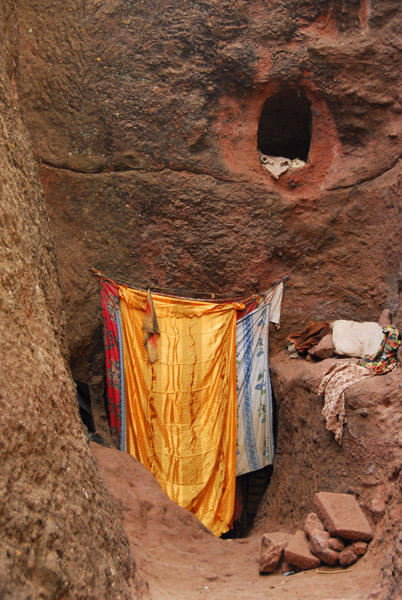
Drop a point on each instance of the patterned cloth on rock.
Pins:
(336, 380)
(310, 336)
(255, 443)
(387, 356)
(342, 375)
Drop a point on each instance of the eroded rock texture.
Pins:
(145, 118)
(59, 532)
(367, 464)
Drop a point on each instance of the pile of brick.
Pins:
(337, 534)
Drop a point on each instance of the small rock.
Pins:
(360, 548)
(385, 318)
(312, 522)
(348, 556)
(319, 545)
(271, 551)
(324, 349)
(336, 543)
(298, 552)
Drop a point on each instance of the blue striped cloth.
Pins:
(255, 443)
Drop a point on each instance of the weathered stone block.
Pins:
(298, 552)
(342, 516)
(271, 551)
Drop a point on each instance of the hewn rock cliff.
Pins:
(60, 535)
(146, 118)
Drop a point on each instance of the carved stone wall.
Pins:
(60, 535)
(145, 120)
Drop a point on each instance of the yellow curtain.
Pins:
(181, 410)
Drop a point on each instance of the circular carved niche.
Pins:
(285, 125)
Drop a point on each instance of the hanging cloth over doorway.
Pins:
(255, 436)
(115, 360)
(181, 410)
(114, 365)
(255, 440)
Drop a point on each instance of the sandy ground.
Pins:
(180, 559)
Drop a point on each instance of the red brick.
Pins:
(342, 516)
(298, 553)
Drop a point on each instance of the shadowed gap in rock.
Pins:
(253, 487)
(285, 126)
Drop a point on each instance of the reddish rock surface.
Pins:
(338, 544)
(319, 546)
(286, 567)
(348, 556)
(180, 559)
(60, 535)
(312, 523)
(360, 548)
(342, 516)
(144, 119)
(324, 349)
(145, 123)
(271, 550)
(297, 552)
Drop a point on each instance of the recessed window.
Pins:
(285, 126)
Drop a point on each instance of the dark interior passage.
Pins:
(250, 489)
(285, 125)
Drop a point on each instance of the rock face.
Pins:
(146, 117)
(146, 122)
(367, 464)
(59, 532)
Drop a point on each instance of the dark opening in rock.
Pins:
(250, 490)
(285, 125)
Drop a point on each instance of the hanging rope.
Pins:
(181, 293)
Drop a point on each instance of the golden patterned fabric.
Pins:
(181, 410)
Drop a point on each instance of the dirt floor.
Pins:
(180, 558)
